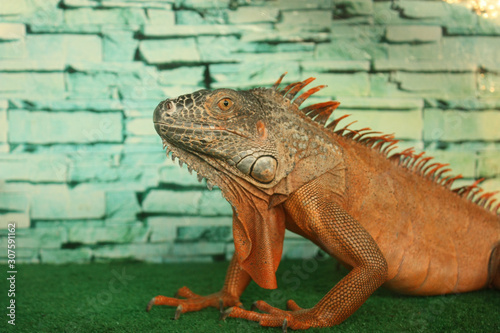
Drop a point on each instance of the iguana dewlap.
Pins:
(391, 218)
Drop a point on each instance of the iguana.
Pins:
(391, 218)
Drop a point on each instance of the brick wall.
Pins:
(82, 172)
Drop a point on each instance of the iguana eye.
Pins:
(225, 104)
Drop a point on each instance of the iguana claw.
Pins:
(178, 312)
(150, 304)
(224, 314)
(285, 325)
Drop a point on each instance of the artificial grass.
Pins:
(112, 298)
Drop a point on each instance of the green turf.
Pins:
(112, 298)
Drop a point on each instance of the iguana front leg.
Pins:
(332, 228)
(235, 283)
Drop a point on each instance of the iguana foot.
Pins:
(295, 317)
(194, 302)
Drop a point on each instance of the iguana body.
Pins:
(393, 220)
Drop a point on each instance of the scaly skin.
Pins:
(392, 219)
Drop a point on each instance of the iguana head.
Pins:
(257, 135)
(223, 127)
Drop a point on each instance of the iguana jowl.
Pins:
(392, 219)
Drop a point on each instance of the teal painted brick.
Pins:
(163, 229)
(406, 124)
(13, 7)
(410, 52)
(346, 8)
(381, 103)
(300, 249)
(3, 126)
(48, 238)
(309, 19)
(423, 9)
(33, 11)
(173, 174)
(413, 33)
(190, 30)
(34, 168)
(188, 17)
(113, 16)
(276, 48)
(66, 48)
(468, 104)
(80, 3)
(211, 234)
(122, 206)
(23, 256)
(116, 233)
(156, 253)
(203, 4)
(275, 57)
(212, 203)
(63, 256)
(246, 15)
(453, 125)
(489, 85)
(477, 49)
(29, 83)
(12, 31)
(21, 220)
(76, 127)
(343, 50)
(258, 73)
(140, 126)
(489, 165)
(14, 201)
(427, 84)
(195, 249)
(101, 83)
(119, 45)
(71, 104)
(286, 5)
(322, 66)
(31, 65)
(339, 85)
(173, 202)
(463, 163)
(161, 17)
(426, 65)
(182, 50)
(270, 36)
(217, 49)
(54, 204)
(182, 76)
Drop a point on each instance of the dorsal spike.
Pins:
(422, 163)
(291, 94)
(320, 106)
(341, 131)
(299, 100)
(277, 83)
(351, 134)
(449, 182)
(288, 87)
(334, 123)
(323, 116)
(490, 203)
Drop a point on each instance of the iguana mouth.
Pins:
(191, 126)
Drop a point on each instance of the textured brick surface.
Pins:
(82, 171)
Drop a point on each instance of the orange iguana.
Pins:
(392, 219)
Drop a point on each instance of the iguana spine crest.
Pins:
(385, 144)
